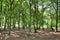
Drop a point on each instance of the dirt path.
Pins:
(25, 35)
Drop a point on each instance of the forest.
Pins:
(29, 19)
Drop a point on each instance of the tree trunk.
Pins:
(57, 16)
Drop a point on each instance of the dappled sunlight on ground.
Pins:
(23, 34)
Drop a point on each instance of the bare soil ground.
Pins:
(24, 34)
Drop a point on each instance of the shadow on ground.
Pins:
(23, 34)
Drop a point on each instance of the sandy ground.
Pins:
(23, 34)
